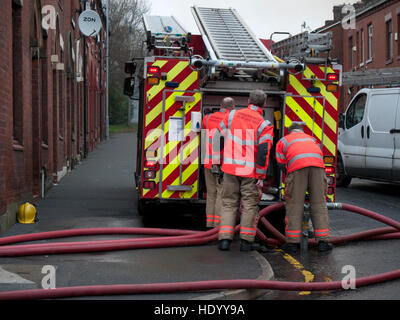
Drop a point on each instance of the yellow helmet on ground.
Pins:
(26, 213)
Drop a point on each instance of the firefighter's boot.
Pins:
(324, 246)
(245, 245)
(224, 244)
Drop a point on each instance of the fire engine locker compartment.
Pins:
(180, 151)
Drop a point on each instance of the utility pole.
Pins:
(107, 69)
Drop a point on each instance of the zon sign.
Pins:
(89, 23)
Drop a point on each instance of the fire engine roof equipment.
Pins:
(163, 32)
(231, 44)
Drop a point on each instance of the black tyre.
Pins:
(342, 180)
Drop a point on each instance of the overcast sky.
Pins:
(262, 16)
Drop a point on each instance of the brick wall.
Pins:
(43, 127)
(353, 53)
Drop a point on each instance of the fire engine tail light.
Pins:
(330, 170)
(153, 81)
(150, 164)
(332, 77)
(332, 87)
(154, 77)
(153, 70)
(149, 185)
(329, 159)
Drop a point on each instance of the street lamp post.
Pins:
(107, 68)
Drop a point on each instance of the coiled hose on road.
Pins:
(179, 238)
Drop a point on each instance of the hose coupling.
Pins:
(334, 205)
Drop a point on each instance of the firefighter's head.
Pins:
(258, 98)
(296, 126)
(228, 103)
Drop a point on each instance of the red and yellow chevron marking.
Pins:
(319, 111)
(159, 98)
(311, 110)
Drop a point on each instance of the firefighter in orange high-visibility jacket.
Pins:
(247, 142)
(212, 162)
(301, 158)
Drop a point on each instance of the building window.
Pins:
(358, 56)
(351, 62)
(45, 112)
(370, 42)
(18, 115)
(398, 34)
(362, 47)
(389, 39)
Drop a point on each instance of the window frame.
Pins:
(370, 44)
(351, 111)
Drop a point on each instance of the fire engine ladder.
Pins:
(304, 45)
(230, 43)
(229, 36)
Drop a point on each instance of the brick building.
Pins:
(52, 96)
(372, 45)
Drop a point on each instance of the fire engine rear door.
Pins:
(180, 151)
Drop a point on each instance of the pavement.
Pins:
(100, 192)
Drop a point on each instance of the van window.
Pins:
(355, 112)
(382, 112)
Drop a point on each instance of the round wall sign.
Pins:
(90, 23)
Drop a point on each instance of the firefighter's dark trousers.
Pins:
(236, 192)
(214, 194)
(297, 183)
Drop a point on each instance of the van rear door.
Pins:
(353, 137)
(395, 132)
(381, 118)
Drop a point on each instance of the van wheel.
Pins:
(342, 180)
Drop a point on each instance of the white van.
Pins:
(369, 137)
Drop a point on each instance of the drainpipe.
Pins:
(85, 100)
(107, 67)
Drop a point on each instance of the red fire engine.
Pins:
(186, 76)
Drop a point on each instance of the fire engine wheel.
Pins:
(342, 180)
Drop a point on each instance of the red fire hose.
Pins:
(175, 238)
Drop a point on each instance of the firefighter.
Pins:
(212, 162)
(301, 159)
(247, 142)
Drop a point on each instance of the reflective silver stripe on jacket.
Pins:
(213, 157)
(266, 137)
(280, 156)
(262, 127)
(230, 119)
(222, 125)
(253, 107)
(305, 155)
(261, 171)
(293, 141)
(240, 141)
(208, 118)
(239, 162)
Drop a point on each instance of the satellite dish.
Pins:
(90, 23)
